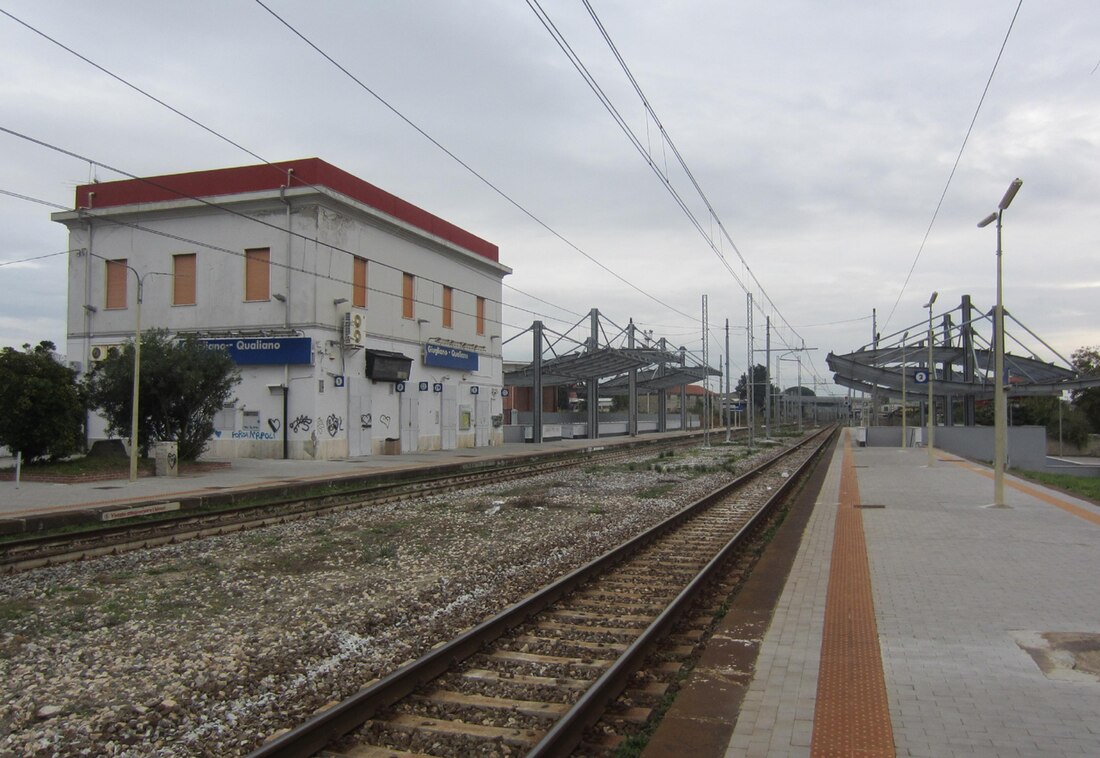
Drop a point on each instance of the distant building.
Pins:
(356, 318)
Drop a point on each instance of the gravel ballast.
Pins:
(205, 648)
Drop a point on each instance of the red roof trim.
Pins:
(308, 171)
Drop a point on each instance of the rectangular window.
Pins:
(116, 283)
(481, 315)
(359, 282)
(257, 274)
(408, 296)
(448, 306)
(183, 279)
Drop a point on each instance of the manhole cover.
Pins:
(1064, 656)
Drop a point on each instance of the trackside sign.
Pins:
(265, 351)
(450, 357)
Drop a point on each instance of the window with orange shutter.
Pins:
(116, 274)
(257, 274)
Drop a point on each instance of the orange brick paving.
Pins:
(852, 716)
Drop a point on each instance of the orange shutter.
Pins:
(481, 315)
(408, 296)
(359, 283)
(257, 274)
(116, 283)
(183, 279)
(448, 306)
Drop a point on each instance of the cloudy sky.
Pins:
(823, 135)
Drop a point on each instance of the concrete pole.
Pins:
(768, 378)
(729, 410)
(662, 394)
(683, 392)
(536, 387)
(750, 375)
(632, 387)
(593, 385)
(706, 378)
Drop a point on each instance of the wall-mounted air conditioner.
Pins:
(99, 353)
(354, 333)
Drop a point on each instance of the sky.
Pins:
(822, 135)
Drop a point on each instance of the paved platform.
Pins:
(963, 599)
(246, 475)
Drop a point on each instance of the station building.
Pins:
(360, 323)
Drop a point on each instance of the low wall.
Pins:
(1026, 445)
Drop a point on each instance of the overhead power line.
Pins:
(954, 167)
(203, 126)
(480, 177)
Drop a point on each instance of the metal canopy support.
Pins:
(970, 372)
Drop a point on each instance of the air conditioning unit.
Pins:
(99, 353)
(353, 330)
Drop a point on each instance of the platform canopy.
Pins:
(881, 370)
(962, 359)
(654, 380)
(587, 366)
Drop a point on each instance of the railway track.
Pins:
(27, 553)
(536, 678)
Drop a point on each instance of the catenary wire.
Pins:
(955, 166)
(515, 203)
(199, 124)
(233, 212)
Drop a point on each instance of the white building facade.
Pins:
(360, 323)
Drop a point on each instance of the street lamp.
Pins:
(904, 407)
(931, 380)
(1000, 401)
(137, 368)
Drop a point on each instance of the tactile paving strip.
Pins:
(851, 716)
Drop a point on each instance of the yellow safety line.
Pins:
(852, 714)
(1092, 517)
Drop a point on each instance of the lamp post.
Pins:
(1000, 401)
(904, 407)
(931, 381)
(137, 368)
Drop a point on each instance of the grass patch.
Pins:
(13, 610)
(1087, 487)
(531, 501)
(656, 491)
(99, 464)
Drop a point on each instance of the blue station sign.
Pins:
(265, 351)
(450, 357)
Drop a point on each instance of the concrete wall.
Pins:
(323, 420)
(1026, 444)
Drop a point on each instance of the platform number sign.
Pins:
(920, 376)
(400, 386)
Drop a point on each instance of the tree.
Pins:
(759, 382)
(1087, 361)
(41, 410)
(183, 384)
